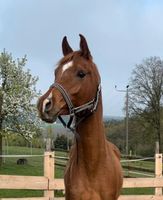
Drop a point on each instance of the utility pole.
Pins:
(127, 113)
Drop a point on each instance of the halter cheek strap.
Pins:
(90, 106)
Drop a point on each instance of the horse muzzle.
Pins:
(49, 111)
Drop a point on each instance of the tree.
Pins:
(61, 142)
(141, 140)
(18, 113)
(115, 133)
(146, 93)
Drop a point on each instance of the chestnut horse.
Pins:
(94, 171)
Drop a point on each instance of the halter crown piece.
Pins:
(90, 107)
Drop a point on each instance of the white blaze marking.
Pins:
(46, 101)
(66, 66)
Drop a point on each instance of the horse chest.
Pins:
(89, 192)
(81, 186)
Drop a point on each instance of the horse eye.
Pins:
(81, 74)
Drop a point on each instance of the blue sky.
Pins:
(120, 33)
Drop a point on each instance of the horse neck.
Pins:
(91, 144)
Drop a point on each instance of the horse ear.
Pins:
(84, 47)
(66, 49)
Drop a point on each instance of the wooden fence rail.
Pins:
(48, 184)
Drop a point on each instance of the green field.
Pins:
(35, 168)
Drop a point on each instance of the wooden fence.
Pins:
(49, 184)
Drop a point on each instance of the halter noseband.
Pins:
(90, 106)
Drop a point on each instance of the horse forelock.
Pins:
(68, 58)
(76, 57)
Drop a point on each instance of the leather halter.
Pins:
(90, 107)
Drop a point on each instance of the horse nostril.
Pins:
(48, 106)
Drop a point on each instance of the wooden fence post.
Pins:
(49, 171)
(158, 171)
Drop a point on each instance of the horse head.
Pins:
(77, 76)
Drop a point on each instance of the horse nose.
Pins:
(47, 105)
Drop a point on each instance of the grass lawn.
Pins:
(145, 165)
(35, 168)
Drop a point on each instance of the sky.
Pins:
(120, 34)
